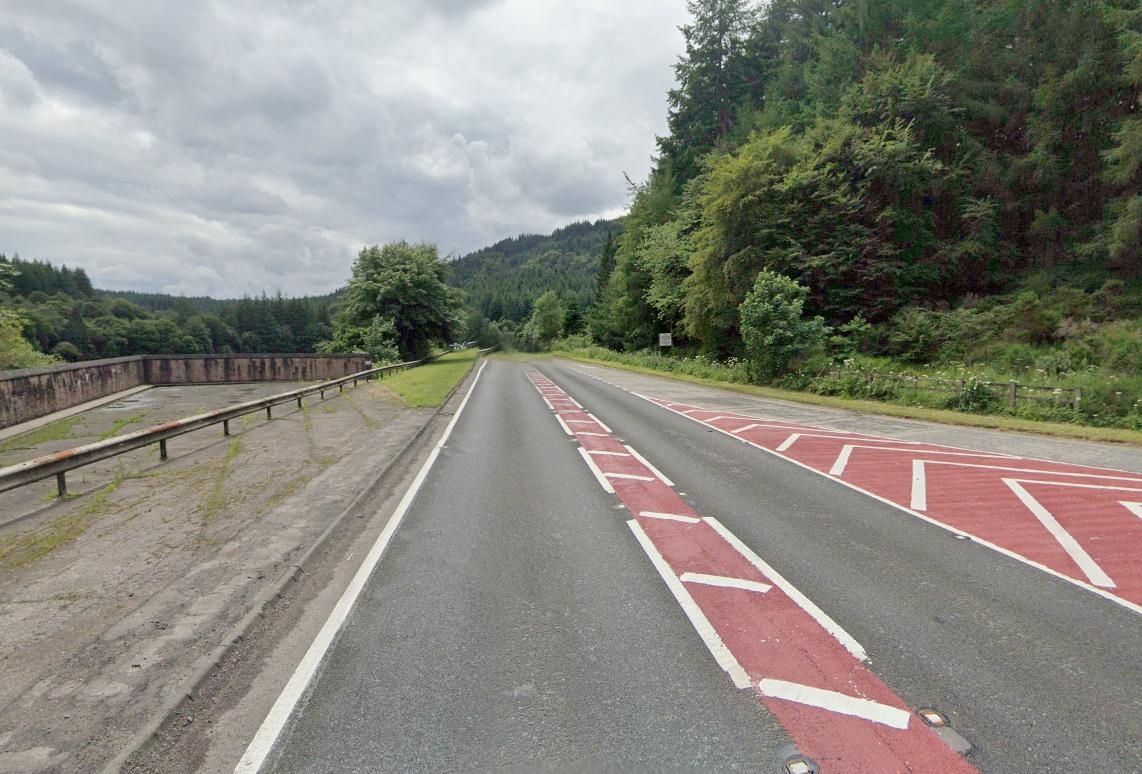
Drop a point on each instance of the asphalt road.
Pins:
(517, 624)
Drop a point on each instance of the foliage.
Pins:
(407, 284)
(60, 313)
(15, 350)
(503, 281)
(547, 318)
(772, 325)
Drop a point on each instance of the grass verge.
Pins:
(943, 416)
(429, 385)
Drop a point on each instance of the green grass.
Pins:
(54, 432)
(429, 385)
(944, 416)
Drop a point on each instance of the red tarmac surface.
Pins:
(1081, 523)
(809, 673)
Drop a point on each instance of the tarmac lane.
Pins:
(589, 581)
(515, 624)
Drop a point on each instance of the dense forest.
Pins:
(59, 310)
(948, 183)
(503, 281)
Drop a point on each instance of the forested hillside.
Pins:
(503, 281)
(59, 310)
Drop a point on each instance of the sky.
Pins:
(222, 148)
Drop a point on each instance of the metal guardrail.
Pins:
(60, 463)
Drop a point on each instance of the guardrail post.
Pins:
(340, 388)
(299, 401)
(1013, 394)
(269, 412)
(323, 394)
(225, 427)
(1078, 398)
(162, 450)
(61, 484)
(960, 387)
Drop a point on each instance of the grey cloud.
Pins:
(185, 148)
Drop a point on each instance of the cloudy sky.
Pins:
(221, 148)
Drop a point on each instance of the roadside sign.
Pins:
(665, 340)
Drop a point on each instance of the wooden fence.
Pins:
(1013, 392)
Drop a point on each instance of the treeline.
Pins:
(58, 310)
(504, 281)
(901, 160)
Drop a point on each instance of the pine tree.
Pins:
(712, 81)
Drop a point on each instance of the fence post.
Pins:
(915, 384)
(1078, 397)
(1013, 394)
(960, 387)
(868, 379)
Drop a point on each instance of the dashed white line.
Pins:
(705, 629)
(835, 702)
(724, 582)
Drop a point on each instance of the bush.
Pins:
(772, 326)
(975, 397)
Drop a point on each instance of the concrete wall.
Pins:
(35, 392)
(228, 369)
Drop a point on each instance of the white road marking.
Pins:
(835, 702)
(919, 486)
(597, 435)
(609, 454)
(702, 624)
(599, 422)
(1069, 544)
(1135, 508)
(582, 422)
(272, 726)
(723, 582)
(1132, 606)
(828, 624)
(788, 442)
(563, 424)
(843, 458)
(650, 467)
(747, 427)
(669, 517)
(603, 482)
(630, 476)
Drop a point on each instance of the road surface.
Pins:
(591, 579)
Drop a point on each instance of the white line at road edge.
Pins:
(718, 649)
(272, 726)
(835, 702)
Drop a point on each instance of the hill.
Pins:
(504, 280)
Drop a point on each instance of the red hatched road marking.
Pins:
(808, 672)
(1077, 522)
